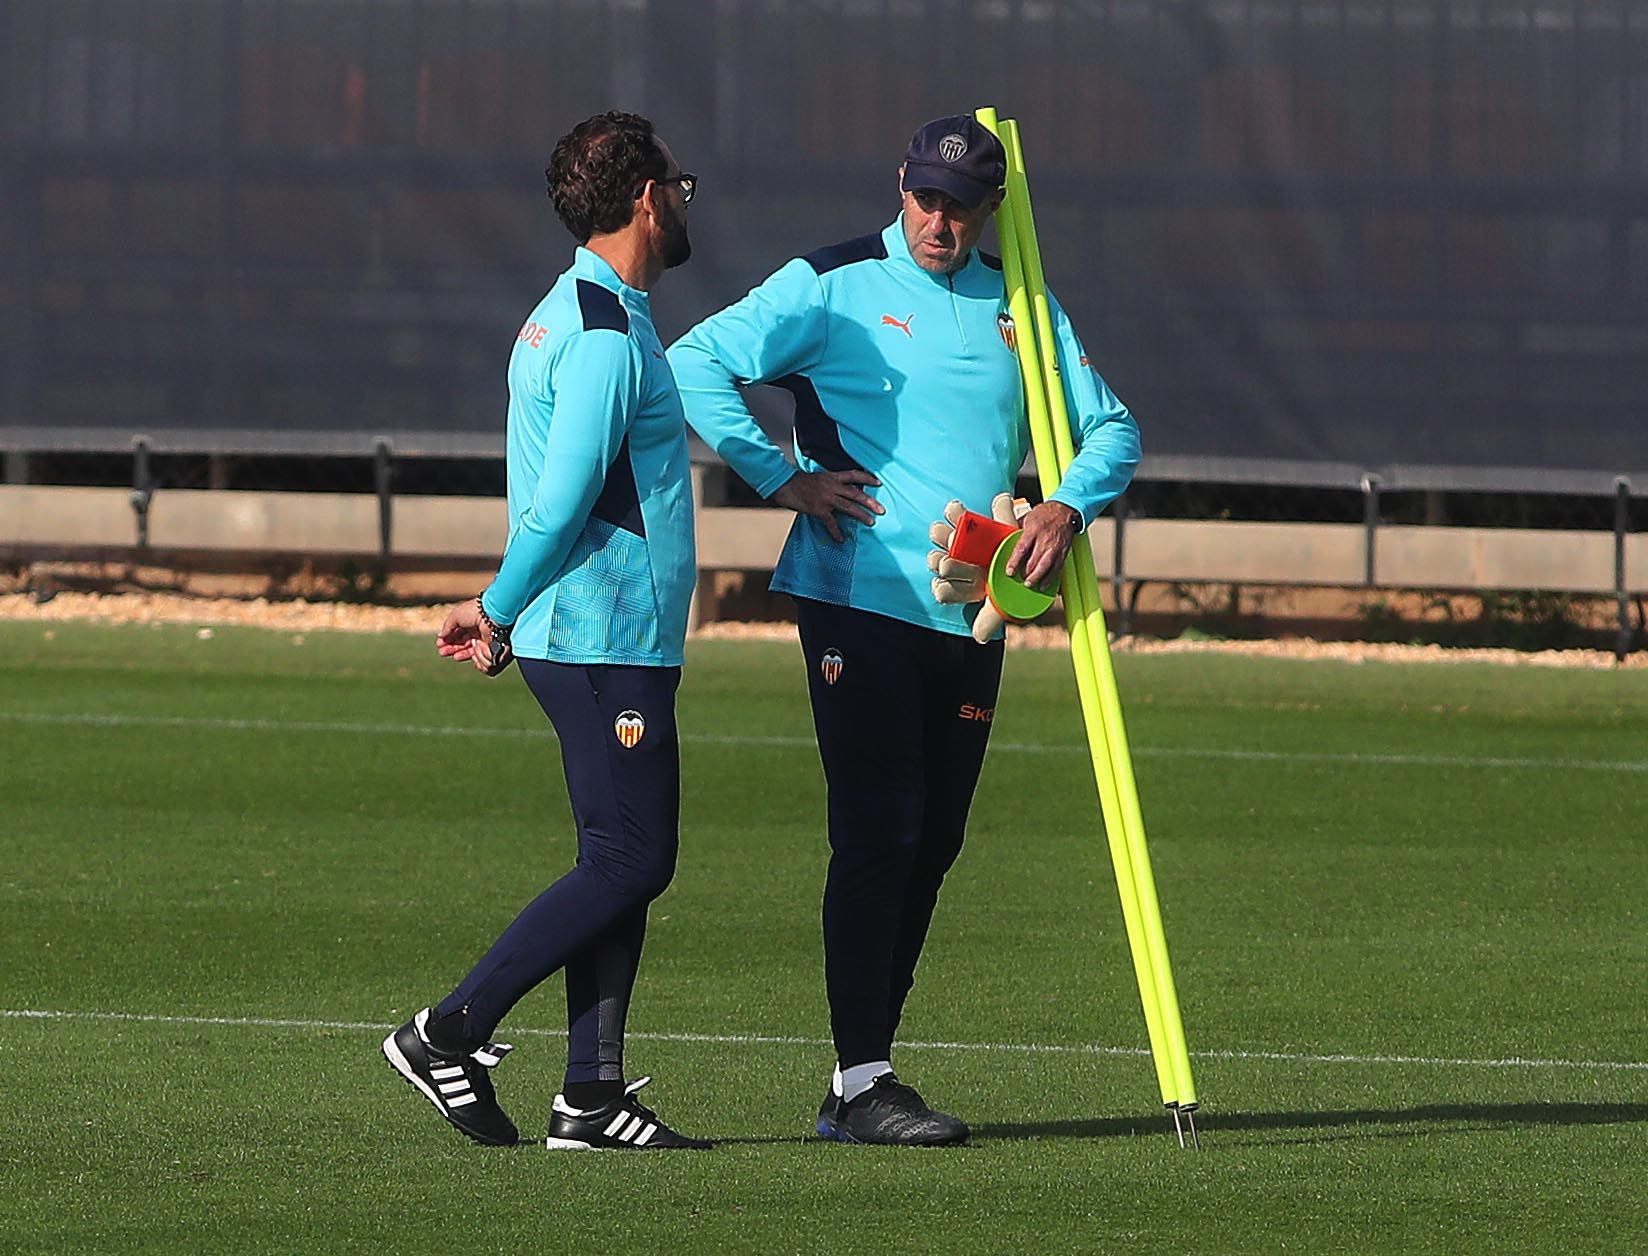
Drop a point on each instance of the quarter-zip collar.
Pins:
(961, 281)
(590, 265)
(898, 252)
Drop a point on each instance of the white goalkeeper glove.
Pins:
(959, 583)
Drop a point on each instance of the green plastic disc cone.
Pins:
(1017, 601)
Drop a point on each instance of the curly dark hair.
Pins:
(597, 168)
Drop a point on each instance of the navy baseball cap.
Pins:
(955, 156)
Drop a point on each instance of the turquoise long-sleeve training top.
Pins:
(906, 374)
(600, 565)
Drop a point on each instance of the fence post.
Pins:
(1622, 521)
(383, 478)
(1118, 567)
(143, 488)
(1370, 525)
(700, 581)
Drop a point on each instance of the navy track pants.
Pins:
(621, 755)
(903, 718)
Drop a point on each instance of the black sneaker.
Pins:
(457, 1085)
(891, 1113)
(624, 1124)
(829, 1115)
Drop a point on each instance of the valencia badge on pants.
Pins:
(830, 665)
(630, 727)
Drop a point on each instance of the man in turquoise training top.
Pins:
(591, 598)
(900, 354)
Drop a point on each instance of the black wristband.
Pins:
(502, 653)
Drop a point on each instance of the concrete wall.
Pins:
(36, 520)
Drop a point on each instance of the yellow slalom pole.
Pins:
(1049, 474)
(1121, 759)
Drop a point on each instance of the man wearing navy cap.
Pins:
(900, 352)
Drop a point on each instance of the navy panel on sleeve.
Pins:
(601, 308)
(862, 249)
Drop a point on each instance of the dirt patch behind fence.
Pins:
(301, 614)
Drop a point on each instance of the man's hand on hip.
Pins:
(1049, 531)
(820, 494)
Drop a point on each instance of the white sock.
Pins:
(852, 1082)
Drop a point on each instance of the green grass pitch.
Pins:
(1404, 906)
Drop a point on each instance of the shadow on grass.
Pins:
(767, 1140)
(1378, 1121)
(753, 1140)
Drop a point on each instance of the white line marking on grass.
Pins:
(717, 739)
(268, 726)
(1399, 760)
(781, 1040)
